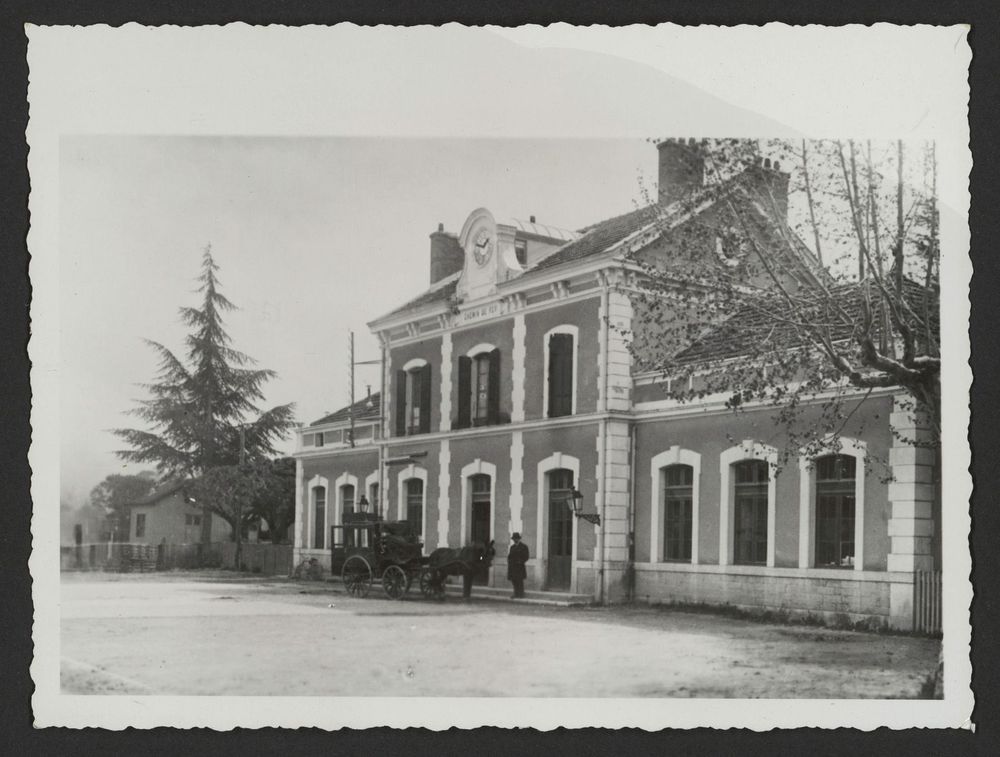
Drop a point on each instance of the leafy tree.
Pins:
(859, 312)
(229, 491)
(202, 411)
(275, 499)
(115, 495)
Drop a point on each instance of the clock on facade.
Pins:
(483, 247)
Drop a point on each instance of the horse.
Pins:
(465, 562)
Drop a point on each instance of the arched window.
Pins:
(480, 504)
(678, 495)
(479, 387)
(415, 505)
(750, 503)
(413, 398)
(560, 485)
(347, 499)
(319, 517)
(559, 387)
(835, 511)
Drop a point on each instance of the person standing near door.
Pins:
(516, 558)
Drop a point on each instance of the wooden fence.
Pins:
(927, 602)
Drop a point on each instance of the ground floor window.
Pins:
(415, 505)
(140, 525)
(319, 519)
(678, 483)
(347, 498)
(481, 503)
(835, 511)
(750, 512)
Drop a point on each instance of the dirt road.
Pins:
(191, 634)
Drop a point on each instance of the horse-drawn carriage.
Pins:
(367, 549)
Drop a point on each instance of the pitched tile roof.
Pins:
(440, 292)
(599, 237)
(752, 330)
(366, 409)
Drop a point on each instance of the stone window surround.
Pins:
(554, 461)
(314, 483)
(748, 449)
(857, 449)
(344, 479)
(476, 467)
(573, 331)
(411, 471)
(676, 455)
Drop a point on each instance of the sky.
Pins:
(317, 161)
(314, 238)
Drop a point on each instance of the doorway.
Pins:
(560, 542)
(481, 520)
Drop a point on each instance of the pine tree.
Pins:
(197, 407)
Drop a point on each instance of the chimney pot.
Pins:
(440, 227)
(777, 166)
(532, 218)
(767, 162)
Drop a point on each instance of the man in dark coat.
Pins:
(516, 558)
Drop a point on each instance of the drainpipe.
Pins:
(382, 493)
(630, 568)
(604, 436)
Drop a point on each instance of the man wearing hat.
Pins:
(516, 558)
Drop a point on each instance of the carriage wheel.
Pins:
(428, 587)
(357, 576)
(395, 582)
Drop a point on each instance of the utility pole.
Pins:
(350, 361)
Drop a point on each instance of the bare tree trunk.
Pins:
(857, 211)
(809, 200)
(899, 220)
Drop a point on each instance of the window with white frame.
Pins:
(415, 505)
(750, 506)
(678, 496)
(559, 387)
(347, 499)
(413, 399)
(319, 516)
(835, 511)
(479, 387)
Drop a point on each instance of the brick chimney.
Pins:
(772, 186)
(447, 256)
(682, 168)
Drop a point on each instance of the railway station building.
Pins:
(516, 400)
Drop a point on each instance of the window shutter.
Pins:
(493, 389)
(399, 397)
(464, 392)
(425, 399)
(560, 375)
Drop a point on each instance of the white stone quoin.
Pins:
(911, 495)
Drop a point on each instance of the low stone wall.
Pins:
(829, 595)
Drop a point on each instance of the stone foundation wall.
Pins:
(857, 595)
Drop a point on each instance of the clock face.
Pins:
(483, 247)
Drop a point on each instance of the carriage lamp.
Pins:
(363, 504)
(575, 502)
